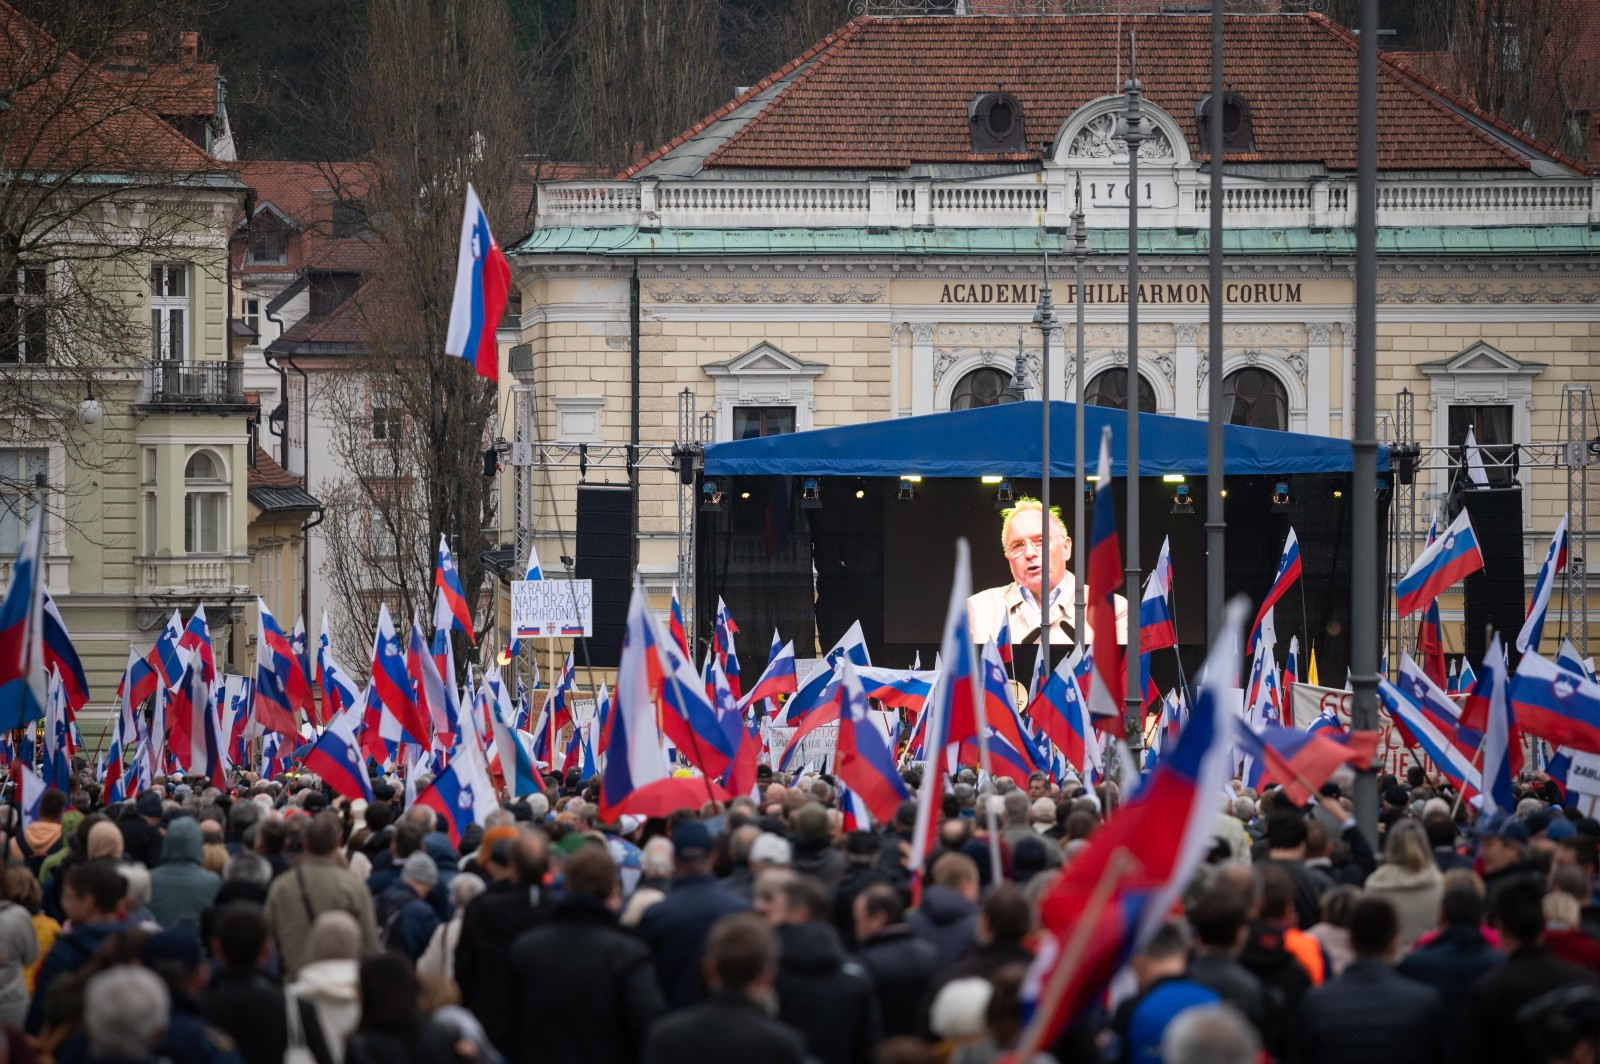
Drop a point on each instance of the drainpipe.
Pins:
(633, 424)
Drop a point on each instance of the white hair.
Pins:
(1528, 806)
(958, 1009)
(1210, 1034)
(136, 878)
(463, 888)
(655, 860)
(125, 1012)
(540, 805)
(770, 849)
(1435, 805)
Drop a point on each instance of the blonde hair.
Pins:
(1406, 845)
(1028, 504)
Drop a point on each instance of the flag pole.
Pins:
(990, 820)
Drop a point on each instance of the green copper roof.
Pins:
(627, 241)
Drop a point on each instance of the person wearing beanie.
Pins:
(406, 921)
(141, 832)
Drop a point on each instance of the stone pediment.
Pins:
(1481, 360)
(764, 360)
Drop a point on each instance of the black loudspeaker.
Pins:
(1495, 593)
(605, 556)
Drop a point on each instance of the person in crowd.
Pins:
(900, 963)
(1332, 932)
(596, 1006)
(263, 1021)
(438, 961)
(1286, 849)
(1503, 853)
(1489, 1032)
(515, 901)
(676, 927)
(1563, 936)
(329, 978)
(1217, 919)
(181, 890)
(125, 1014)
(1410, 879)
(822, 993)
(141, 832)
(317, 885)
(734, 1025)
(655, 880)
(42, 838)
(19, 948)
(1141, 1022)
(92, 898)
(1210, 1034)
(405, 919)
(1454, 959)
(392, 1023)
(179, 959)
(948, 915)
(1370, 1012)
(20, 887)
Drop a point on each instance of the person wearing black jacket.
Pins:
(1370, 1012)
(733, 1026)
(900, 963)
(1218, 920)
(585, 990)
(822, 994)
(1454, 960)
(514, 902)
(676, 927)
(244, 1003)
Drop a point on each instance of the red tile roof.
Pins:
(266, 473)
(887, 94)
(72, 117)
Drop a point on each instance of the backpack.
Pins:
(35, 859)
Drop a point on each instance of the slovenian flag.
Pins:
(1555, 560)
(24, 684)
(451, 612)
(60, 654)
(1105, 577)
(1289, 568)
(1447, 561)
(1156, 630)
(337, 759)
(483, 284)
(1557, 705)
(534, 571)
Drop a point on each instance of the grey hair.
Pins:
(540, 805)
(656, 859)
(247, 866)
(1528, 806)
(500, 818)
(463, 888)
(137, 880)
(1244, 809)
(1210, 1034)
(125, 1012)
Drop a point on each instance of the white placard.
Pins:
(1308, 703)
(1583, 775)
(552, 608)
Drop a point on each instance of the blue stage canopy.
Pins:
(1004, 441)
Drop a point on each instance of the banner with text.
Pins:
(552, 608)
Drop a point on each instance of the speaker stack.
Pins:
(605, 556)
(1494, 594)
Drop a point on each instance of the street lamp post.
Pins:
(1080, 558)
(1131, 129)
(1044, 316)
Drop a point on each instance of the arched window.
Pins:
(981, 387)
(1255, 397)
(205, 504)
(1110, 388)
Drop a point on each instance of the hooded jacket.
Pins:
(948, 920)
(333, 988)
(1414, 895)
(180, 890)
(19, 947)
(825, 996)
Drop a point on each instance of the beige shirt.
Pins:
(989, 607)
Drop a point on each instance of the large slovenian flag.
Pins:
(632, 737)
(779, 677)
(688, 719)
(24, 681)
(337, 759)
(57, 751)
(1105, 577)
(275, 669)
(462, 794)
(435, 697)
(196, 641)
(60, 654)
(1430, 633)
(1555, 560)
(452, 611)
(1302, 761)
(1116, 893)
(196, 738)
(898, 688)
(862, 759)
(167, 658)
(1555, 704)
(1438, 706)
(953, 696)
(1449, 758)
(1447, 561)
(483, 284)
(1156, 630)
(1289, 568)
(675, 624)
(391, 683)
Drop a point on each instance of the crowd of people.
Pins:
(276, 923)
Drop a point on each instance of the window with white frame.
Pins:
(169, 311)
(21, 472)
(751, 422)
(23, 319)
(205, 504)
(387, 414)
(251, 315)
(148, 507)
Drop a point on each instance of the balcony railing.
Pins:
(1179, 199)
(212, 574)
(173, 383)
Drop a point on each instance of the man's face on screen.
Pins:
(1024, 550)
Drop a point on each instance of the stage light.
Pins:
(744, 495)
(810, 494)
(911, 478)
(860, 494)
(1280, 497)
(1338, 493)
(1223, 493)
(1181, 502)
(992, 480)
(1173, 478)
(1004, 497)
(710, 498)
(907, 490)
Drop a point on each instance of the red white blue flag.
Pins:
(451, 611)
(1488, 708)
(1422, 730)
(1289, 568)
(24, 681)
(60, 654)
(1449, 560)
(1060, 712)
(167, 658)
(1555, 560)
(1105, 577)
(1555, 704)
(727, 655)
(632, 736)
(276, 669)
(337, 758)
(1156, 630)
(483, 284)
(779, 677)
(862, 759)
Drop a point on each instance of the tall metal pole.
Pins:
(1045, 318)
(1133, 134)
(1216, 520)
(1080, 555)
(1364, 442)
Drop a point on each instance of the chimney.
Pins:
(129, 52)
(188, 49)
